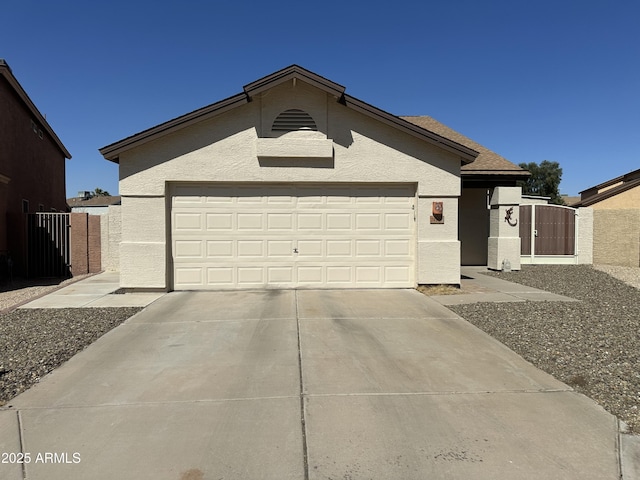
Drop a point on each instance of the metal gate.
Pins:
(548, 234)
(48, 252)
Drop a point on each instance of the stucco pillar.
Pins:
(504, 230)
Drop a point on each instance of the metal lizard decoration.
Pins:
(508, 218)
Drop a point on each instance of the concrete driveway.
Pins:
(342, 385)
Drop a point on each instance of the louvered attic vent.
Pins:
(293, 120)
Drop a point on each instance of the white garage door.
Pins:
(290, 236)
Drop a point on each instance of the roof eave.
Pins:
(112, 152)
(289, 73)
(7, 73)
(587, 202)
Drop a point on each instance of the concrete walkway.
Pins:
(476, 287)
(94, 291)
(382, 384)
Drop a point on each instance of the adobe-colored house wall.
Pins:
(224, 149)
(35, 167)
(616, 237)
(627, 199)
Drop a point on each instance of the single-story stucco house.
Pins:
(292, 184)
(616, 219)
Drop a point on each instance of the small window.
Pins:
(53, 210)
(293, 120)
(25, 206)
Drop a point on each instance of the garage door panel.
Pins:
(280, 275)
(188, 221)
(368, 221)
(188, 249)
(219, 249)
(310, 221)
(250, 221)
(397, 248)
(310, 248)
(220, 276)
(398, 221)
(327, 236)
(220, 221)
(339, 248)
(250, 248)
(280, 248)
(186, 276)
(248, 276)
(280, 221)
(368, 274)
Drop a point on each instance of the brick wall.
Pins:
(616, 237)
(85, 243)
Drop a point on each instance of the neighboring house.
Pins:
(294, 183)
(93, 205)
(618, 193)
(616, 220)
(32, 167)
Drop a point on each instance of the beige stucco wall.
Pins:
(111, 236)
(585, 235)
(473, 226)
(627, 199)
(224, 149)
(616, 237)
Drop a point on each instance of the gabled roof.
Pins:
(609, 188)
(6, 72)
(487, 163)
(112, 152)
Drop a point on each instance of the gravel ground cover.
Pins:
(33, 342)
(592, 345)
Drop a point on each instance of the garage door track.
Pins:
(304, 384)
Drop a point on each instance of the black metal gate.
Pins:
(48, 250)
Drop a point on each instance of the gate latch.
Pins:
(535, 233)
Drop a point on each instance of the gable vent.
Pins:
(293, 120)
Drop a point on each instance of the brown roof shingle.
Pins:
(487, 163)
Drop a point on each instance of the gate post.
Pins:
(504, 231)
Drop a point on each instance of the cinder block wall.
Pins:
(111, 233)
(616, 237)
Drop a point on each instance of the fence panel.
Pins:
(48, 251)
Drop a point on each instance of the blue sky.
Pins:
(547, 80)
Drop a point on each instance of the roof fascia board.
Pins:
(608, 193)
(466, 154)
(13, 82)
(289, 73)
(622, 178)
(112, 151)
